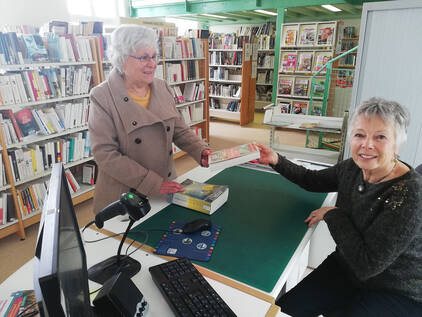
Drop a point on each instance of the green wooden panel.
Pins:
(262, 225)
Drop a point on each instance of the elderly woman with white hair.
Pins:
(133, 121)
(376, 269)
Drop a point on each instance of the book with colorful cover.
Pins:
(26, 122)
(284, 107)
(35, 47)
(202, 197)
(233, 156)
(300, 107)
(318, 88)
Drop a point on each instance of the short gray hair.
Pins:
(389, 112)
(127, 39)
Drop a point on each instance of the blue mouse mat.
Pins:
(196, 246)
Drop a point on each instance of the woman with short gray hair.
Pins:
(376, 269)
(133, 122)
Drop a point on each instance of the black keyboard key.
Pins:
(187, 291)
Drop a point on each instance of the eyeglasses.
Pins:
(145, 58)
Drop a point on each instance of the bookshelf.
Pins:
(230, 71)
(184, 65)
(304, 49)
(264, 79)
(44, 112)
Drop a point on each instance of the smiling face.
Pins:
(372, 144)
(140, 72)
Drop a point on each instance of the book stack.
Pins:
(182, 71)
(205, 198)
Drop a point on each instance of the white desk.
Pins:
(241, 303)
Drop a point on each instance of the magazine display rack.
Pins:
(44, 105)
(305, 48)
(231, 84)
(184, 65)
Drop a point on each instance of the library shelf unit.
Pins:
(190, 94)
(231, 83)
(36, 94)
(264, 79)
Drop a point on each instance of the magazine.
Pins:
(285, 87)
(233, 156)
(284, 107)
(318, 88)
(307, 36)
(321, 60)
(305, 62)
(325, 36)
(299, 107)
(202, 197)
(288, 63)
(316, 109)
(301, 87)
(290, 39)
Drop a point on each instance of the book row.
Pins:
(44, 84)
(304, 61)
(3, 180)
(227, 41)
(266, 42)
(225, 58)
(265, 77)
(233, 106)
(265, 60)
(27, 48)
(308, 34)
(300, 86)
(182, 47)
(181, 71)
(31, 199)
(225, 90)
(300, 107)
(223, 73)
(28, 123)
(35, 159)
(191, 92)
(192, 113)
(7, 209)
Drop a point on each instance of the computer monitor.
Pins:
(60, 269)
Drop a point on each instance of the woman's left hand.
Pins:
(317, 215)
(204, 157)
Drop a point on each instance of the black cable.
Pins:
(24, 314)
(133, 241)
(87, 225)
(97, 290)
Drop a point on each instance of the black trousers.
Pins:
(331, 291)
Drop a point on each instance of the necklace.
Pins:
(384, 177)
(361, 187)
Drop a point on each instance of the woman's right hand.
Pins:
(169, 187)
(267, 155)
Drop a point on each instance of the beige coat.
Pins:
(132, 145)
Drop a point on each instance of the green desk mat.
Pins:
(262, 225)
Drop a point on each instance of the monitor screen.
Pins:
(60, 271)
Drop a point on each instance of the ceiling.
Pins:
(229, 15)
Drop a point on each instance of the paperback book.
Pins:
(202, 197)
(233, 156)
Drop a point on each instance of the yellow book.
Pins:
(34, 161)
(33, 197)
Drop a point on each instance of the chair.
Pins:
(419, 169)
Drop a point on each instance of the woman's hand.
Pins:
(267, 155)
(169, 187)
(204, 157)
(317, 215)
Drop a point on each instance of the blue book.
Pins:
(35, 47)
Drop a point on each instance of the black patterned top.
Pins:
(378, 230)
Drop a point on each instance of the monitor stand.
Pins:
(102, 271)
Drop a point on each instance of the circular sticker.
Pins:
(187, 241)
(201, 246)
(178, 231)
(206, 233)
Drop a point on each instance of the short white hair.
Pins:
(127, 39)
(389, 112)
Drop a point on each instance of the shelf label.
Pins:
(248, 52)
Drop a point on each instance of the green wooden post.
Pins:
(279, 24)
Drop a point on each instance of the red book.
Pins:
(8, 114)
(70, 181)
(34, 89)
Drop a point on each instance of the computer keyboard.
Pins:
(187, 291)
